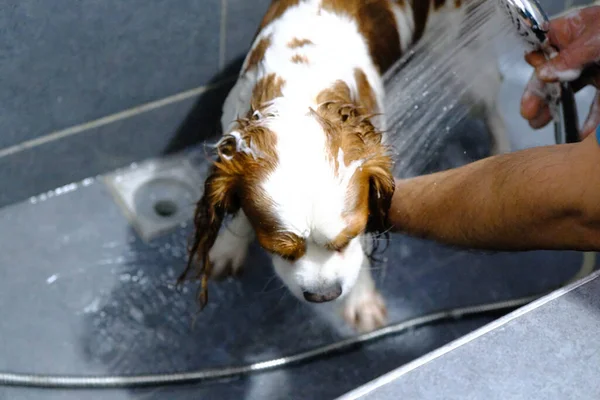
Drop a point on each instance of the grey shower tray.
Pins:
(83, 291)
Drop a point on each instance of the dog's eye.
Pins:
(289, 257)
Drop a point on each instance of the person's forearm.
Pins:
(519, 201)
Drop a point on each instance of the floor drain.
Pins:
(157, 196)
(165, 208)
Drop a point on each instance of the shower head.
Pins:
(532, 25)
(529, 20)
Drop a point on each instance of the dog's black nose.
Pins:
(324, 295)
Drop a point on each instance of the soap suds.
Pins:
(568, 75)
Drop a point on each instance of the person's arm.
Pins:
(539, 198)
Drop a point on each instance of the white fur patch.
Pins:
(320, 269)
(231, 246)
(364, 307)
(308, 194)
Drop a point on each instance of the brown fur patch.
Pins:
(297, 43)
(256, 204)
(258, 53)
(365, 92)
(234, 184)
(348, 127)
(287, 245)
(299, 59)
(376, 22)
(265, 90)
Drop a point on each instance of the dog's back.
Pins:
(319, 42)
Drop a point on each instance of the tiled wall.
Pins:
(92, 85)
(87, 86)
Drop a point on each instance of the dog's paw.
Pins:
(228, 255)
(365, 312)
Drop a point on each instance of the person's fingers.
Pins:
(589, 76)
(533, 99)
(531, 105)
(542, 119)
(577, 23)
(566, 29)
(535, 59)
(569, 62)
(593, 118)
(577, 37)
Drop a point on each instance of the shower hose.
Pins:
(131, 381)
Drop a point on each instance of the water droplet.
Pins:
(136, 314)
(87, 182)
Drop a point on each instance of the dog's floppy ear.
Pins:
(381, 190)
(218, 200)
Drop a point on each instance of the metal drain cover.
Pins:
(158, 195)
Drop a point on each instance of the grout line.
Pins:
(73, 130)
(223, 34)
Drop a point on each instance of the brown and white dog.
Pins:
(302, 164)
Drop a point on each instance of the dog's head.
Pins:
(310, 181)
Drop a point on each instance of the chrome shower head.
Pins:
(532, 25)
(529, 20)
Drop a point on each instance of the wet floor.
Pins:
(82, 293)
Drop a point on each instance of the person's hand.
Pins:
(577, 38)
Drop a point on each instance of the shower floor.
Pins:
(81, 293)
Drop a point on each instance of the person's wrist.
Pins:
(397, 214)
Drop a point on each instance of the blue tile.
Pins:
(471, 278)
(65, 62)
(164, 130)
(545, 353)
(243, 18)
